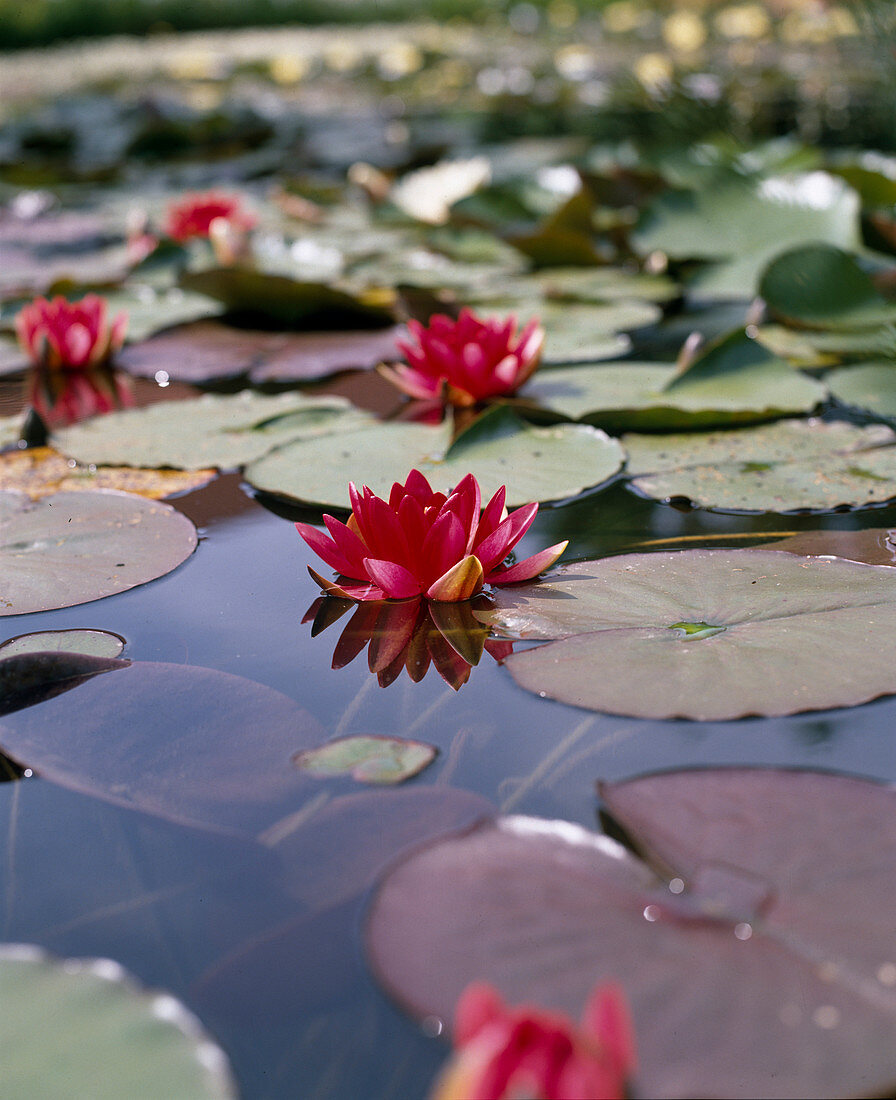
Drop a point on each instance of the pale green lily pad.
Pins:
(814, 348)
(368, 759)
(705, 634)
(150, 310)
(819, 286)
(71, 548)
(211, 430)
(499, 449)
(600, 285)
(746, 223)
(577, 333)
(83, 1027)
(92, 643)
(794, 464)
(870, 387)
(737, 380)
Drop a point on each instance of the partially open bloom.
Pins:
(503, 1053)
(422, 543)
(63, 335)
(195, 214)
(467, 360)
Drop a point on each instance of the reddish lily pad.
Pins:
(753, 933)
(367, 758)
(70, 548)
(227, 765)
(705, 634)
(208, 350)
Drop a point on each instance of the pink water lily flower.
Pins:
(423, 543)
(503, 1053)
(63, 335)
(193, 215)
(467, 360)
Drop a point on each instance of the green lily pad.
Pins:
(705, 634)
(211, 430)
(288, 301)
(150, 310)
(500, 449)
(368, 759)
(779, 467)
(747, 222)
(93, 643)
(870, 387)
(82, 1027)
(820, 286)
(577, 333)
(817, 348)
(71, 548)
(737, 380)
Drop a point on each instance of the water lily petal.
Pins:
(348, 591)
(495, 547)
(460, 582)
(327, 549)
(396, 582)
(528, 568)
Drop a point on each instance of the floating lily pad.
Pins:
(773, 468)
(738, 381)
(366, 758)
(82, 1027)
(820, 286)
(39, 471)
(499, 448)
(70, 548)
(10, 430)
(30, 677)
(288, 301)
(771, 885)
(578, 333)
(817, 348)
(211, 430)
(208, 349)
(593, 284)
(705, 634)
(873, 545)
(149, 310)
(749, 221)
(870, 387)
(227, 765)
(93, 643)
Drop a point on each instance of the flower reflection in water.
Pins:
(409, 634)
(65, 397)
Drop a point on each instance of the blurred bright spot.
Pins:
(524, 18)
(743, 21)
(624, 16)
(826, 1017)
(429, 193)
(398, 60)
(575, 62)
(342, 57)
(288, 69)
(562, 14)
(684, 30)
(195, 65)
(654, 71)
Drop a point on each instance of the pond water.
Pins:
(262, 940)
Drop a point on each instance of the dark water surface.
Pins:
(215, 920)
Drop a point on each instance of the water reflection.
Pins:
(409, 634)
(61, 398)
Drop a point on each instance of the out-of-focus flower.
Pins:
(423, 543)
(504, 1053)
(62, 398)
(196, 215)
(63, 335)
(409, 634)
(467, 360)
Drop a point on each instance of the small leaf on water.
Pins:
(368, 759)
(93, 643)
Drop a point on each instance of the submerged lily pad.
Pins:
(773, 468)
(705, 634)
(771, 885)
(82, 1027)
(31, 677)
(227, 765)
(870, 387)
(93, 643)
(70, 548)
(739, 381)
(211, 430)
(499, 448)
(40, 471)
(367, 758)
(819, 286)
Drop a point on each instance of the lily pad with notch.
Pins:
(367, 758)
(770, 882)
(870, 387)
(71, 548)
(500, 449)
(793, 464)
(708, 635)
